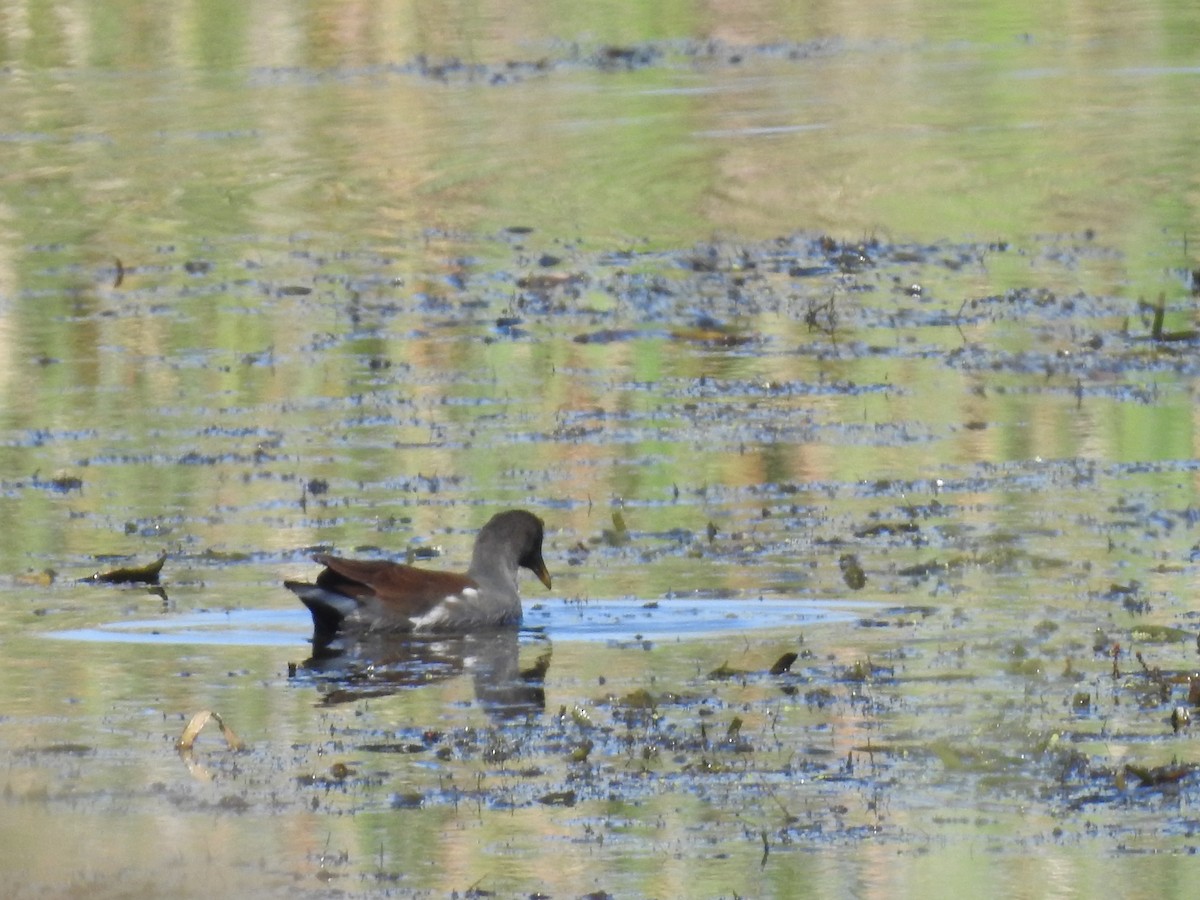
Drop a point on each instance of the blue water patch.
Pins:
(624, 620)
(600, 620)
(236, 627)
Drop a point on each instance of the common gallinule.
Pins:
(375, 596)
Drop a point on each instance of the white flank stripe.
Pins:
(442, 610)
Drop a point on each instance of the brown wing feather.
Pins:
(406, 590)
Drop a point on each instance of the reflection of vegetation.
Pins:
(357, 244)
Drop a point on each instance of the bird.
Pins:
(377, 597)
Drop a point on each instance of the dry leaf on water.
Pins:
(196, 724)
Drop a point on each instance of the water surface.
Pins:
(746, 302)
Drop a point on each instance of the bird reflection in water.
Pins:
(367, 667)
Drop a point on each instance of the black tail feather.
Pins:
(327, 618)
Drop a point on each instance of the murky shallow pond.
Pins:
(848, 358)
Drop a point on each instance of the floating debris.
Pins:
(196, 724)
(618, 535)
(44, 578)
(724, 672)
(1159, 776)
(558, 798)
(147, 574)
(852, 572)
(784, 663)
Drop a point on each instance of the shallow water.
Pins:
(826, 312)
